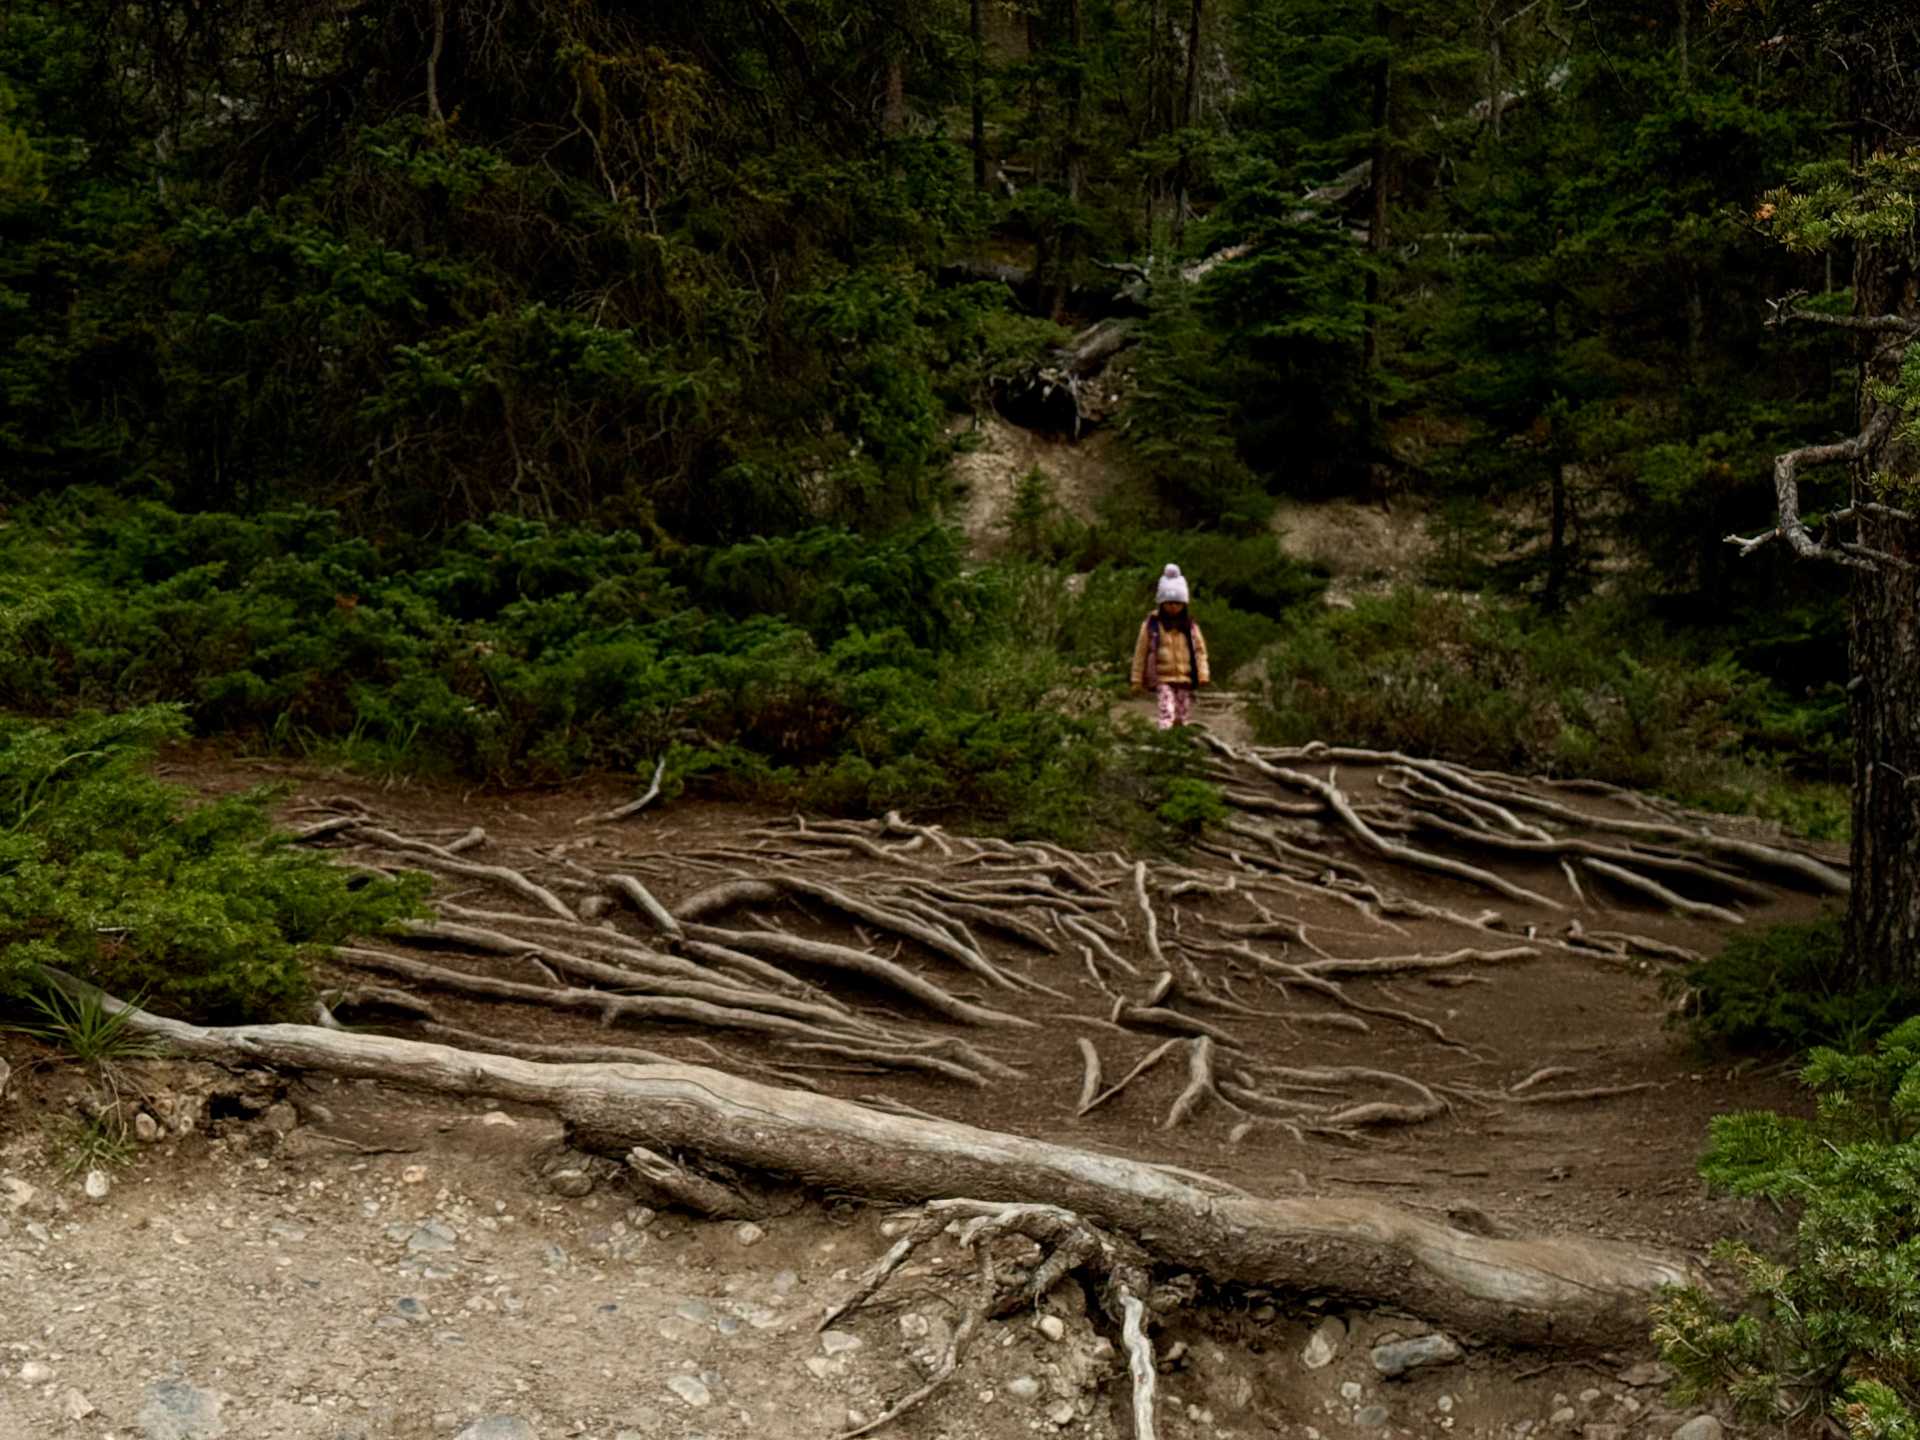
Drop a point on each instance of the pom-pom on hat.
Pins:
(1173, 587)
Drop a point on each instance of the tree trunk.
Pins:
(1075, 156)
(1574, 1293)
(1883, 922)
(895, 120)
(1382, 117)
(1183, 176)
(976, 32)
(1883, 693)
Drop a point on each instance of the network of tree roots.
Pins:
(1131, 1062)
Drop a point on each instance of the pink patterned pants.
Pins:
(1176, 705)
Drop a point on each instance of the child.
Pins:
(1171, 656)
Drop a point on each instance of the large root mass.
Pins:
(1531, 1292)
(1348, 898)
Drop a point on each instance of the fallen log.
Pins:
(1582, 1294)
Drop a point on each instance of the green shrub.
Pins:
(1786, 989)
(1830, 1325)
(1600, 693)
(118, 878)
(1191, 806)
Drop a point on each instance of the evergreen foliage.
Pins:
(1830, 1326)
(116, 877)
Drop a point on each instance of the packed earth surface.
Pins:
(305, 1257)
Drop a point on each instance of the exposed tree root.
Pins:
(667, 1186)
(1202, 1085)
(865, 964)
(1070, 1244)
(633, 807)
(1524, 1292)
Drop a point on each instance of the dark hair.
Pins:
(1182, 622)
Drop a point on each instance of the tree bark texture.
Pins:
(1577, 1293)
(1883, 921)
(1382, 118)
(976, 33)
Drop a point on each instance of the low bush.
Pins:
(1828, 1327)
(125, 881)
(1786, 989)
(824, 669)
(1602, 692)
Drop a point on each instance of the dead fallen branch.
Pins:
(1534, 1292)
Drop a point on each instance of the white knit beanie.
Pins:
(1173, 587)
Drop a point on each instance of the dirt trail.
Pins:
(393, 1269)
(291, 1270)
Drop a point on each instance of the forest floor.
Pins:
(347, 1262)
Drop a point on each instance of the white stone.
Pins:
(1024, 1387)
(1061, 1412)
(35, 1372)
(498, 1117)
(98, 1185)
(1701, 1427)
(749, 1234)
(839, 1342)
(692, 1389)
(1350, 1390)
(1324, 1345)
(76, 1406)
(1053, 1327)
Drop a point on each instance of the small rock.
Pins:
(75, 1405)
(856, 1418)
(1240, 1392)
(281, 1118)
(498, 1427)
(1444, 1404)
(1374, 1417)
(1400, 1356)
(98, 1185)
(176, 1410)
(1350, 1390)
(1602, 1432)
(692, 1389)
(1053, 1327)
(1324, 1345)
(1588, 1396)
(17, 1194)
(432, 1238)
(822, 1368)
(34, 1372)
(785, 1281)
(838, 1342)
(1701, 1427)
(1024, 1387)
(415, 1175)
(1646, 1375)
(1563, 1416)
(748, 1234)
(146, 1129)
(1061, 1412)
(498, 1117)
(570, 1182)
(914, 1326)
